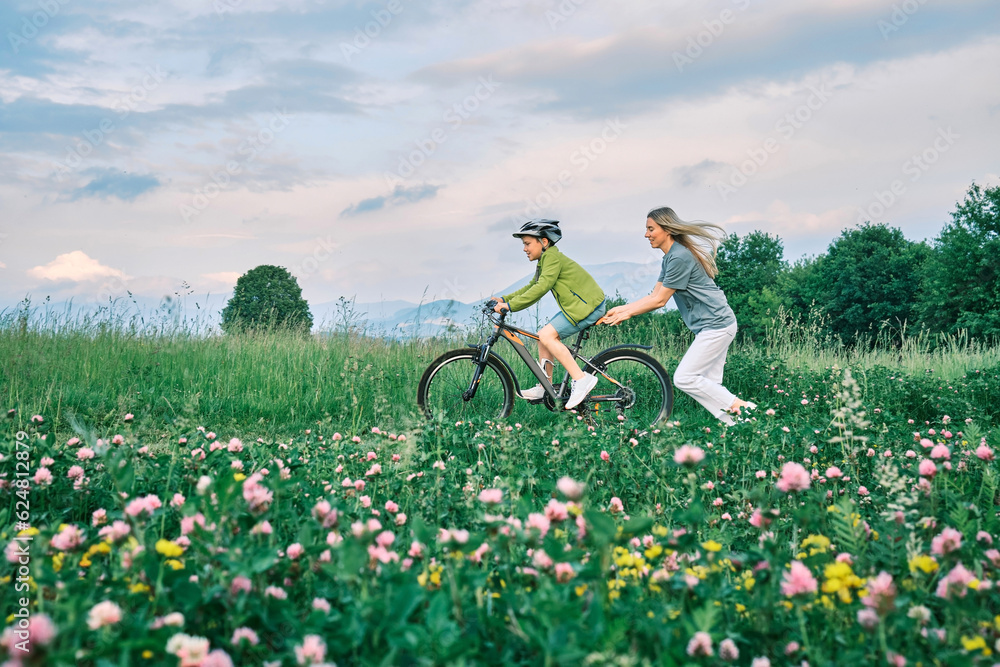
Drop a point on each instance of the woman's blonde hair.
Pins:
(701, 238)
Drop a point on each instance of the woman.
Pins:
(686, 275)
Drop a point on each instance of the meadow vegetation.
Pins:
(272, 499)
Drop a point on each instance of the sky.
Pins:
(387, 150)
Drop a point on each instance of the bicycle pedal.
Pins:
(535, 401)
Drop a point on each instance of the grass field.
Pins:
(277, 500)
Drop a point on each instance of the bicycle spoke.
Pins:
(634, 387)
(447, 380)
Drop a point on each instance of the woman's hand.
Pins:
(616, 315)
(501, 305)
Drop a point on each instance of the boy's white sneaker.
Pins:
(581, 388)
(536, 393)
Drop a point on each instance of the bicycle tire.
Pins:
(443, 383)
(646, 393)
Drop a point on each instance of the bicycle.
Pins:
(476, 383)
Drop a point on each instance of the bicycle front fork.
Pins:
(470, 393)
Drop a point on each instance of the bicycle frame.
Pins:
(512, 335)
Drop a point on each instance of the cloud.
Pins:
(225, 278)
(779, 218)
(635, 69)
(110, 183)
(74, 266)
(399, 195)
(698, 174)
(230, 57)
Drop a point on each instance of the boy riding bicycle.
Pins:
(580, 300)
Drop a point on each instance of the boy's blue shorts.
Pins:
(565, 328)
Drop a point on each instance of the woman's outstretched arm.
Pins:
(657, 299)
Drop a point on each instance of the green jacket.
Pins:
(576, 292)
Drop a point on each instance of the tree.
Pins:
(961, 280)
(871, 275)
(802, 289)
(749, 269)
(266, 297)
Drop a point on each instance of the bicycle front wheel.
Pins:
(444, 386)
(633, 385)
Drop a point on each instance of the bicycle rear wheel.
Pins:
(631, 384)
(448, 377)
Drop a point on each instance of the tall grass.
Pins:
(102, 367)
(261, 382)
(807, 344)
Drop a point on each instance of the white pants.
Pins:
(699, 375)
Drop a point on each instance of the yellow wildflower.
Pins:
(924, 563)
(28, 531)
(239, 477)
(653, 551)
(818, 541)
(168, 548)
(711, 545)
(973, 643)
(837, 571)
(174, 563)
(57, 561)
(819, 544)
(580, 590)
(139, 587)
(147, 654)
(432, 578)
(660, 531)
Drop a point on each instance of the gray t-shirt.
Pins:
(701, 303)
